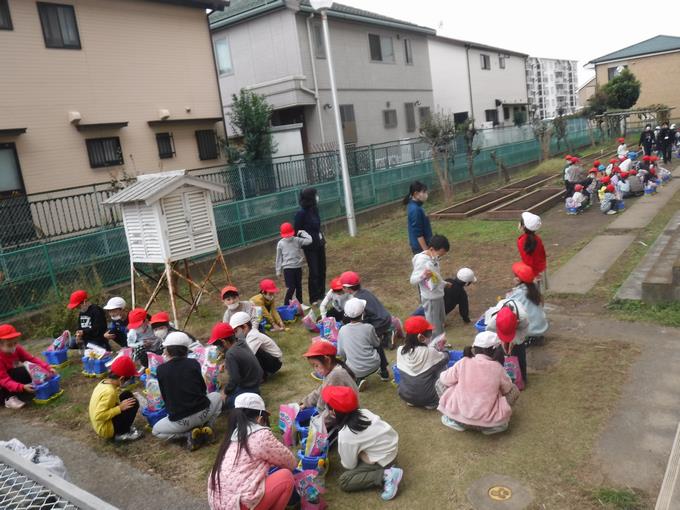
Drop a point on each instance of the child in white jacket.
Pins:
(426, 275)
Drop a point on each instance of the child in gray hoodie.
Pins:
(289, 260)
(426, 274)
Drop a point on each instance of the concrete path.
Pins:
(110, 478)
(643, 211)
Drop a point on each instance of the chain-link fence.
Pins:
(42, 273)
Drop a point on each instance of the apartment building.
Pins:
(276, 48)
(552, 87)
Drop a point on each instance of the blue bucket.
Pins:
(287, 313)
(56, 358)
(455, 356)
(45, 390)
(154, 417)
(319, 463)
(302, 421)
(620, 206)
(480, 325)
(397, 374)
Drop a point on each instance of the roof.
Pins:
(240, 10)
(657, 44)
(480, 46)
(152, 187)
(202, 4)
(589, 83)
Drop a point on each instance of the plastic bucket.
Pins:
(620, 206)
(154, 417)
(319, 463)
(396, 374)
(287, 313)
(56, 358)
(480, 325)
(302, 421)
(45, 390)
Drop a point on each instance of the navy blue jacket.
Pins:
(418, 224)
(309, 221)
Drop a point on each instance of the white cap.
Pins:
(672, 126)
(467, 275)
(114, 303)
(249, 401)
(486, 339)
(354, 307)
(239, 319)
(531, 221)
(177, 338)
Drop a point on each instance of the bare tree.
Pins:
(543, 133)
(467, 129)
(439, 130)
(502, 169)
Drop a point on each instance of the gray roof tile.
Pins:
(657, 44)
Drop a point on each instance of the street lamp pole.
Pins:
(323, 7)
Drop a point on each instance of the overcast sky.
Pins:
(573, 30)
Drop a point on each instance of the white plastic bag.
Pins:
(39, 455)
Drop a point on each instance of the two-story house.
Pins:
(276, 48)
(95, 89)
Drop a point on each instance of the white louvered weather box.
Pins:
(168, 216)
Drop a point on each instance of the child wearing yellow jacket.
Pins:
(265, 300)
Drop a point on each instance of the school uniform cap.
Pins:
(114, 303)
(605, 179)
(123, 366)
(340, 398)
(620, 140)
(159, 318)
(287, 230)
(506, 324)
(239, 319)
(646, 158)
(568, 157)
(523, 272)
(249, 401)
(417, 325)
(578, 187)
(229, 288)
(467, 275)
(625, 174)
(350, 279)
(531, 221)
(486, 339)
(596, 163)
(336, 284)
(653, 158)
(268, 285)
(136, 317)
(613, 161)
(610, 188)
(593, 170)
(321, 348)
(354, 307)
(220, 331)
(632, 172)
(8, 332)
(77, 299)
(177, 338)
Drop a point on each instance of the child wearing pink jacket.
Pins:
(239, 477)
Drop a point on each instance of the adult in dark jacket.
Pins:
(665, 141)
(419, 228)
(647, 140)
(307, 218)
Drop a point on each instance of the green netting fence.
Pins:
(42, 274)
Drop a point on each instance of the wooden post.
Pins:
(132, 282)
(171, 289)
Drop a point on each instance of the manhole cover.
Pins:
(498, 492)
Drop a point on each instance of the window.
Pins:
(486, 61)
(5, 19)
(410, 117)
(501, 61)
(104, 152)
(381, 48)
(223, 56)
(59, 26)
(390, 118)
(408, 52)
(166, 145)
(615, 71)
(459, 118)
(349, 126)
(491, 116)
(319, 47)
(207, 144)
(423, 114)
(506, 113)
(10, 174)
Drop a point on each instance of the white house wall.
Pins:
(449, 77)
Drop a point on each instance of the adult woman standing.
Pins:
(419, 229)
(308, 219)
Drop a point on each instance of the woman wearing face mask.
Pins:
(419, 229)
(232, 302)
(307, 218)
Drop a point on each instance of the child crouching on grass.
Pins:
(333, 305)
(367, 445)
(15, 382)
(112, 415)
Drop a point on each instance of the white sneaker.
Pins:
(362, 385)
(14, 403)
(611, 211)
(133, 435)
(452, 424)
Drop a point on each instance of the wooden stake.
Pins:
(171, 289)
(132, 282)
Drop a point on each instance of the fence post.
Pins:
(50, 268)
(338, 184)
(240, 178)
(240, 223)
(371, 171)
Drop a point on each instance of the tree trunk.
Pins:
(441, 171)
(471, 172)
(502, 169)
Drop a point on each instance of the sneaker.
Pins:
(610, 212)
(452, 424)
(14, 403)
(392, 478)
(362, 385)
(208, 435)
(133, 435)
(430, 408)
(409, 404)
(194, 439)
(385, 376)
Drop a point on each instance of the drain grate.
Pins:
(19, 492)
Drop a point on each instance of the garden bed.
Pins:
(530, 183)
(537, 201)
(475, 205)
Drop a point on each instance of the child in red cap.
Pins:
(91, 321)
(609, 203)
(112, 415)
(266, 301)
(15, 382)
(141, 336)
(333, 305)
(622, 149)
(289, 260)
(233, 304)
(367, 445)
(527, 294)
(419, 364)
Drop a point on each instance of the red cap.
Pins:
(228, 288)
(159, 318)
(620, 140)
(575, 160)
(596, 163)
(136, 317)
(613, 161)
(287, 230)
(349, 279)
(624, 174)
(8, 332)
(633, 172)
(321, 348)
(653, 158)
(605, 179)
(219, 331)
(523, 272)
(506, 324)
(616, 170)
(646, 158)
(341, 398)
(77, 299)
(336, 284)
(123, 366)
(268, 285)
(578, 187)
(568, 157)
(610, 188)
(417, 325)
(593, 170)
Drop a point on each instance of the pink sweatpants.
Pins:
(278, 488)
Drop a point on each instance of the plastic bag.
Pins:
(309, 322)
(39, 455)
(210, 375)
(212, 355)
(125, 351)
(95, 352)
(439, 342)
(154, 361)
(199, 354)
(61, 342)
(310, 488)
(511, 366)
(398, 328)
(317, 439)
(258, 313)
(287, 414)
(153, 395)
(38, 374)
(329, 329)
(298, 306)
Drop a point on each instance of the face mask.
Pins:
(233, 306)
(9, 350)
(116, 317)
(240, 333)
(160, 333)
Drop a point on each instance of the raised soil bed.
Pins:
(537, 201)
(475, 205)
(530, 183)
